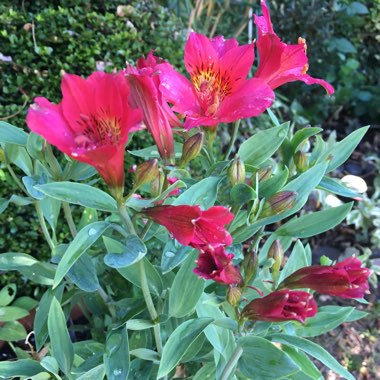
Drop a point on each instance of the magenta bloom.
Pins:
(282, 305)
(91, 124)
(281, 63)
(347, 279)
(192, 226)
(158, 117)
(216, 264)
(218, 90)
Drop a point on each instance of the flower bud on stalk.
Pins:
(264, 173)
(146, 172)
(276, 252)
(191, 148)
(250, 265)
(236, 171)
(278, 203)
(233, 296)
(157, 183)
(301, 162)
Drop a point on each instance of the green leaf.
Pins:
(134, 251)
(354, 316)
(61, 345)
(12, 313)
(242, 193)
(80, 194)
(12, 331)
(202, 193)
(7, 294)
(261, 146)
(86, 237)
(146, 354)
(302, 360)
(206, 372)
(274, 184)
(152, 152)
(35, 146)
(25, 302)
(116, 356)
(173, 255)
(178, 343)
(94, 373)
(324, 321)
(303, 134)
(50, 364)
(338, 188)
(11, 134)
(297, 260)
(313, 350)
(263, 359)
(341, 151)
(83, 274)
(186, 290)
(139, 324)
(20, 157)
(132, 274)
(24, 367)
(315, 223)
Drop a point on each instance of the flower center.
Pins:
(212, 87)
(98, 131)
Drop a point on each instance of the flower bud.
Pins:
(146, 172)
(233, 296)
(264, 173)
(157, 183)
(301, 162)
(276, 252)
(191, 148)
(236, 172)
(250, 265)
(279, 203)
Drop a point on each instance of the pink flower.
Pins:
(216, 264)
(281, 63)
(281, 305)
(158, 117)
(218, 90)
(91, 124)
(192, 226)
(347, 279)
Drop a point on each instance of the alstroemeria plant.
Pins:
(199, 267)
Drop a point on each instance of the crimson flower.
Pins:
(192, 226)
(347, 279)
(282, 305)
(91, 124)
(216, 264)
(218, 90)
(158, 117)
(279, 62)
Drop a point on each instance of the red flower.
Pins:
(91, 124)
(282, 305)
(192, 226)
(158, 117)
(218, 90)
(216, 264)
(346, 279)
(281, 63)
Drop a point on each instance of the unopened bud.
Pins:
(250, 265)
(146, 172)
(264, 173)
(300, 160)
(276, 252)
(233, 296)
(157, 183)
(279, 203)
(236, 171)
(192, 147)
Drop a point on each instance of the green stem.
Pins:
(69, 218)
(44, 228)
(108, 301)
(52, 161)
(150, 305)
(15, 178)
(145, 230)
(232, 140)
(231, 363)
(211, 135)
(125, 218)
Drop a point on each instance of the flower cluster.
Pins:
(93, 121)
